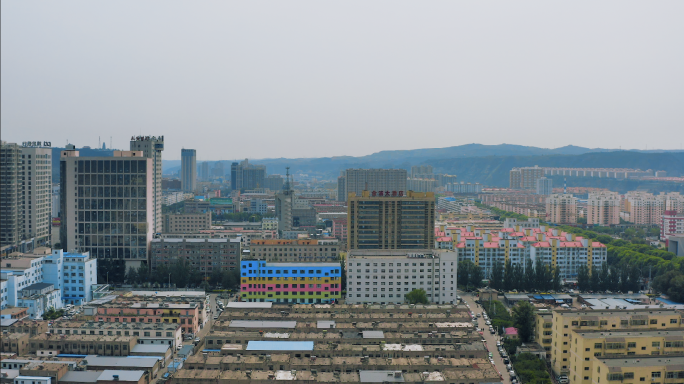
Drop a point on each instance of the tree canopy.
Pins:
(417, 296)
(523, 320)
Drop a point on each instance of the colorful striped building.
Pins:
(305, 283)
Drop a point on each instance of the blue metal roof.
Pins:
(547, 297)
(537, 297)
(280, 346)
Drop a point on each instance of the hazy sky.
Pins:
(318, 78)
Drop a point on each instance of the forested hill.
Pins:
(494, 170)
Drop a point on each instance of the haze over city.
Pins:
(315, 192)
(318, 79)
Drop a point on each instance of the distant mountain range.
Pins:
(439, 157)
(486, 164)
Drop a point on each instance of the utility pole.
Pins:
(650, 267)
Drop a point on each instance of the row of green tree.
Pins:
(528, 278)
(182, 274)
(665, 268)
(530, 369)
(469, 275)
(671, 283)
(52, 313)
(616, 278)
(498, 314)
(521, 317)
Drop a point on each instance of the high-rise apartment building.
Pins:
(644, 208)
(188, 170)
(674, 201)
(391, 220)
(26, 206)
(544, 186)
(107, 205)
(204, 171)
(35, 177)
(152, 147)
(603, 208)
(218, 170)
(421, 185)
(273, 182)
(358, 180)
(525, 177)
(561, 208)
(244, 175)
(671, 224)
(10, 227)
(342, 187)
(418, 170)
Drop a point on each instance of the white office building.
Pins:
(386, 276)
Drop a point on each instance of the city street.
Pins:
(487, 336)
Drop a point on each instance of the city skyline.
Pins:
(464, 72)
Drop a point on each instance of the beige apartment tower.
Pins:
(603, 208)
(26, 206)
(561, 208)
(525, 177)
(644, 208)
(152, 147)
(378, 220)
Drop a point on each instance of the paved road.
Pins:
(489, 338)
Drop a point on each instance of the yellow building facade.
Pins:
(565, 323)
(587, 345)
(653, 370)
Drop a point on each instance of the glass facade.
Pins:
(111, 208)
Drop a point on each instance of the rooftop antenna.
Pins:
(287, 179)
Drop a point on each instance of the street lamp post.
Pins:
(169, 281)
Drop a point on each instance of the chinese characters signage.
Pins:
(32, 144)
(387, 193)
(145, 138)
